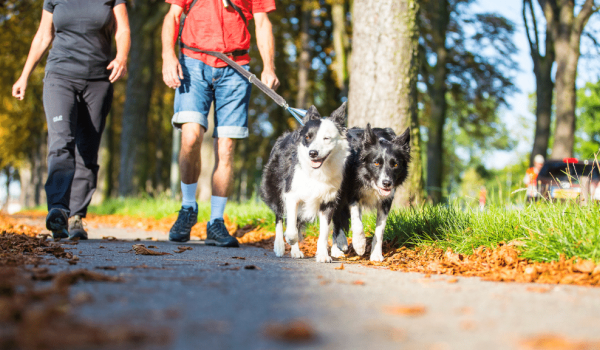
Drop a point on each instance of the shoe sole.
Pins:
(184, 239)
(212, 242)
(59, 229)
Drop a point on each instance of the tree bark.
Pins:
(384, 75)
(340, 43)
(542, 69)
(304, 58)
(440, 17)
(144, 21)
(566, 30)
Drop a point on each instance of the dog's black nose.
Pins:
(313, 154)
(386, 183)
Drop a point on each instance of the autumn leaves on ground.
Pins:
(496, 245)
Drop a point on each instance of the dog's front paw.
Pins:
(336, 252)
(296, 253)
(359, 242)
(376, 256)
(291, 236)
(323, 258)
(279, 248)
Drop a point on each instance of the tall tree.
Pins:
(384, 73)
(436, 15)
(566, 30)
(340, 44)
(470, 66)
(542, 69)
(145, 21)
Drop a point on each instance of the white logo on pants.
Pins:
(57, 118)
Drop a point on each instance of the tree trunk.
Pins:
(566, 29)
(543, 112)
(384, 75)
(567, 55)
(340, 43)
(304, 59)
(440, 17)
(542, 68)
(144, 21)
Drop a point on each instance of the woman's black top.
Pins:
(83, 38)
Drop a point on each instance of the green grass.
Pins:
(548, 230)
(256, 213)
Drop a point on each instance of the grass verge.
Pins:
(544, 232)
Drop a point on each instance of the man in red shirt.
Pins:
(200, 80)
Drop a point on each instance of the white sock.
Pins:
(189, 195)
(217, 207)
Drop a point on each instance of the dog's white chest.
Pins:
(312, 191)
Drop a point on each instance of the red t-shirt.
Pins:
(212, 27)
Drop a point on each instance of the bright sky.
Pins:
(518, 109)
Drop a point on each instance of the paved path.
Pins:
(208, 300)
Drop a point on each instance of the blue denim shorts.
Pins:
(203, 84)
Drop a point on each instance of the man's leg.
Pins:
(222, 179)
(190, 162)
(232, 95)
(192, 103)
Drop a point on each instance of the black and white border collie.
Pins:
(378, 164)
(303, 177)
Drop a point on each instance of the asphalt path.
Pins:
(207, 298)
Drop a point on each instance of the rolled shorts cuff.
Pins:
(232, 132)
(180, 118)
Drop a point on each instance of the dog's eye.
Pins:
(307, 137)
(376, 163)
(395, 165)
(326, 138)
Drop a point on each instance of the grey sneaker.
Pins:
(217, 234)
(76, 229)
(180, 232)
(56, 221)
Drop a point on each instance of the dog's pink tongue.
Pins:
(384, 192)
(316, 164)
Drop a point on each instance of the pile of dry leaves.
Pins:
(35, 315)
(501, 263)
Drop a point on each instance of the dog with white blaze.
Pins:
(377, 165)
(303, 177)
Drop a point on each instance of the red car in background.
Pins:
(560, 179)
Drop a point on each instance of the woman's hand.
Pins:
(119, 69)
(19, 88)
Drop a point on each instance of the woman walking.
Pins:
(77, 98)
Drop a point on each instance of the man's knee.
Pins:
(191, 136)
(225, 150)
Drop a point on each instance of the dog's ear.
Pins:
(369, 138)
(403, 140)
(311, 114)
(339, 115)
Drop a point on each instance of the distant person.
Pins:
(78, 94)
(201, 79)
(531, 178)
(482, 197)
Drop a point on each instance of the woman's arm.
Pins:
(123, 39)
(41, 41)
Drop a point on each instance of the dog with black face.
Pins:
(303, 176)
(377, 165)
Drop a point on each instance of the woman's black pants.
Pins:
(76, 111)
